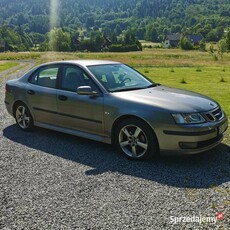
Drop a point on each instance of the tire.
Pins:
(135, 139)
(23, 117)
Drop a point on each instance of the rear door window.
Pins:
(46, 77)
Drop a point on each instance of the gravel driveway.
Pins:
(50, 180)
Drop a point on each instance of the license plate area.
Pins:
(222, 128)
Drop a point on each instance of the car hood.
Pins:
(170, 99)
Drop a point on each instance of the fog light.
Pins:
(188, 145)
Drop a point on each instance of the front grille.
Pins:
(214, 115)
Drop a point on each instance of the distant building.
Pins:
(173, 40)
(195, 38)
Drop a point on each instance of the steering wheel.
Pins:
(125, 80)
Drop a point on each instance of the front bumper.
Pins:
(191, 139)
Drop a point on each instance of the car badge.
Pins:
(212, 104)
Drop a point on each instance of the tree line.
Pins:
(97, 25)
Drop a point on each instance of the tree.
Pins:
(59, 40)
(215, 34)
(114, 38)
(89, 22)
(151, 34)
(185, 43)
(37, 37)
(221, 48)
(118, 30)
(16, 40)
(95, 43)
(151, 19)
(227, 40)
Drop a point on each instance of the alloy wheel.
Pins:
(133, 141)
(22, 117)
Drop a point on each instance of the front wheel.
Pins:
(135, 139)
(23, 117)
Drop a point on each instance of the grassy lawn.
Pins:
(7, 65)
(211, 81)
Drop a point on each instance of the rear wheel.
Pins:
(135, 139)
(23, 117)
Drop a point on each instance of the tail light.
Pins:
(7, 88)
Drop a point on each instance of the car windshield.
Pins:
(119, 77)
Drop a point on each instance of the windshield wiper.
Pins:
(152, 85)
(127, 89)
(136, 88)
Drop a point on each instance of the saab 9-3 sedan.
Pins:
(113, 103)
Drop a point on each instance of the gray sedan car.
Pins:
(111, 102)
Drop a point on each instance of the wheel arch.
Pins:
(126, 117)
(16, 103)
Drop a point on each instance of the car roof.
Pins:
(84, 62)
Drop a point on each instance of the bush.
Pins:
(123, 48)
(186, 44)
(222, 80)
(183, 81)
(202, 46)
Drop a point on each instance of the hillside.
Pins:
(148, 19)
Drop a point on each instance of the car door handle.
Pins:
(62, 98)
(31, 92)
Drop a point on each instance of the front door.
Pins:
(79, 112)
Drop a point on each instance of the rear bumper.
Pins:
(192, 139)
(8, 107)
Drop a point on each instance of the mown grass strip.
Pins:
(20, 56)
(7, 65)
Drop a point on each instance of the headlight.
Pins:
(188, 118)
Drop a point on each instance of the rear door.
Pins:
(42, 94)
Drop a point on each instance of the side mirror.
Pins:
(86, 90)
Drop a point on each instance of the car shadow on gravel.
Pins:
(196, 171)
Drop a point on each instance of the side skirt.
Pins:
(75, 132)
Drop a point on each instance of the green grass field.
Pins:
(7, 65)
(211, 81)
